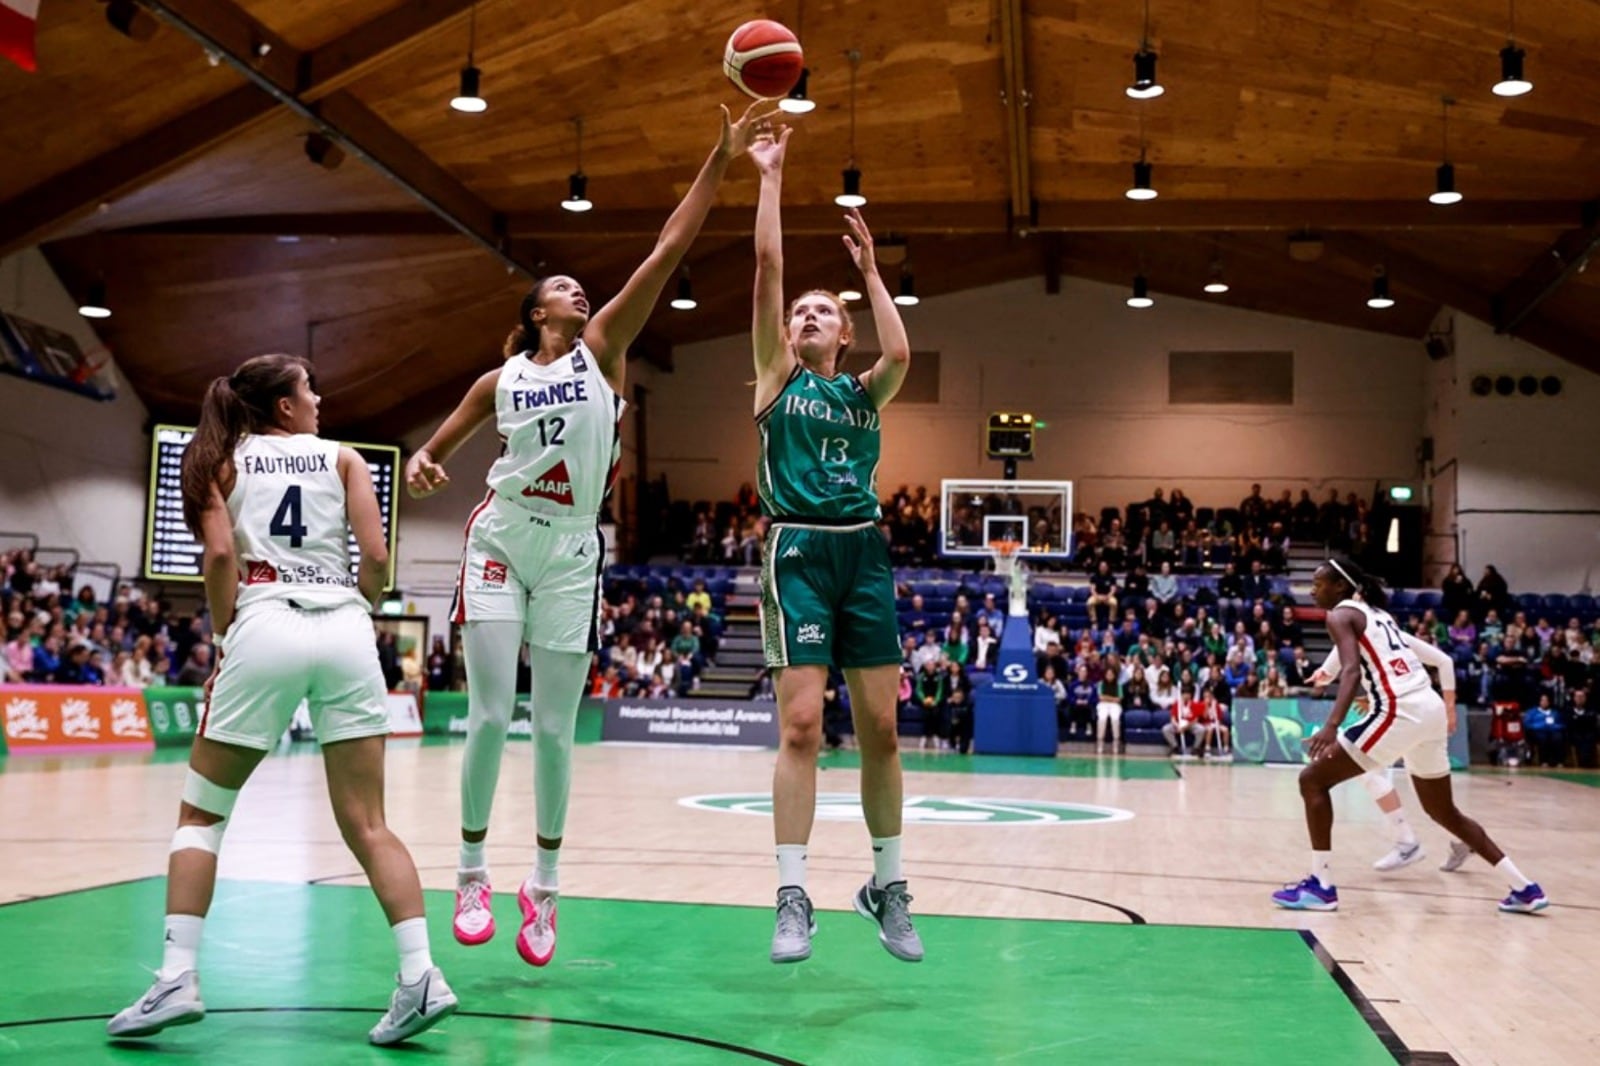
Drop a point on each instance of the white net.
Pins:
(1009, 566)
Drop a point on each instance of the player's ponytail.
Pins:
(243, 402)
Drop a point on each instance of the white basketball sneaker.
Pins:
(414, 1008)
(168, 1003)
(1400, 855)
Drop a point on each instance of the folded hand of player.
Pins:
(424, 477)
(1323, 742)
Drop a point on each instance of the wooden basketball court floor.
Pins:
(1074, 910)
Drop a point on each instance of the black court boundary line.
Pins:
(662, 1034)
(1358, 999)
(1134, 917)
(85, 888)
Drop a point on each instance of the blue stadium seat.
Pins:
(1428, 599)
(1401, 599)
(1558, 604)
(1530, 602)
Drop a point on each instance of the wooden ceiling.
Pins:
(994, 134)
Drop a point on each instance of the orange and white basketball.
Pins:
(763, 59)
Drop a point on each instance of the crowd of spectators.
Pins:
(54, 635)
(655, 645)
(1167, 528)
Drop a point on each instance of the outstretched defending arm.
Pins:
(617, 324)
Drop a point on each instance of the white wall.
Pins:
(72, 470)
(1096, 371)
(1520, 463)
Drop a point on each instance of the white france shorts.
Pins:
(1411, 726)
(276, 654)
(541, 571)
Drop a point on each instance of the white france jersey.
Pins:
(1389, 668)
(290, 529)
(559, 434)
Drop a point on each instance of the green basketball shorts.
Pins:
(827, 597)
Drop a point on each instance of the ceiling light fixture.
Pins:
(907, 296)
(1140, 296)
(1216, 285)
(1512, 82)
(1380, 300)
(578, 182)
(1145, 85)
(94, 306)
(799, 101)
(470, 100)
(685, 300)
(1142, 187)
(851, 196)
(1444, 182)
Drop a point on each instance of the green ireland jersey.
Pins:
(819, 450)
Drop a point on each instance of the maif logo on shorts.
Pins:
(494, 574)
(925, 810)
(810, 633)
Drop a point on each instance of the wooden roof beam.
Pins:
(345, 60)
(1568, 255)
(1288, 215)
(34, 214)
(1016, 98)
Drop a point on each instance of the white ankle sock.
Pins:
(1404, 835)
(886, 861)
(1321, 861)
(411, 940)
(545, 869)
(1509, 871)
(180, 949)
(791, 866)
(471, 855)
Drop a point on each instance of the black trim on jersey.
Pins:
(599, 574)
(767, 410)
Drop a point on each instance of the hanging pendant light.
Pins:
(469, 99)
(851, 196)
(1145, 84)
(578, 182)
(850, 294)
(1444, 181)
(907, 296)
(685, 300)
(1512, 80)
(94, 305)
(1216, 284)
(1141, 189)
(1380, 300)
(1140, 297)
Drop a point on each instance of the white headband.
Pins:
(1353, 582)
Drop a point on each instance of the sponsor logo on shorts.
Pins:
(261, 573)
(554, 484)
(927, 810)
(793, 553)
(494, 574)
(810, 633)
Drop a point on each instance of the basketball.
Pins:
(763, 59)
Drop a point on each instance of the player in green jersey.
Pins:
(827, 591)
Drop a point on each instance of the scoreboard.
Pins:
(172, 552)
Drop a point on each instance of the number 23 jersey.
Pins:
(558, 426)
(1389, 668)
(290, 529)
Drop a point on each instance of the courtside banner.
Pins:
(174, 713)
(747, 723)
(72, 719)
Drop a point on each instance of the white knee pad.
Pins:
(201, 837)
(204, 795)
(201, 794)
(1377, 784)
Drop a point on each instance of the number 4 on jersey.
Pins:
(286, 520)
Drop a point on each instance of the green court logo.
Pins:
(924, 810)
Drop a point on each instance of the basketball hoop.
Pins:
(1008, 566)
